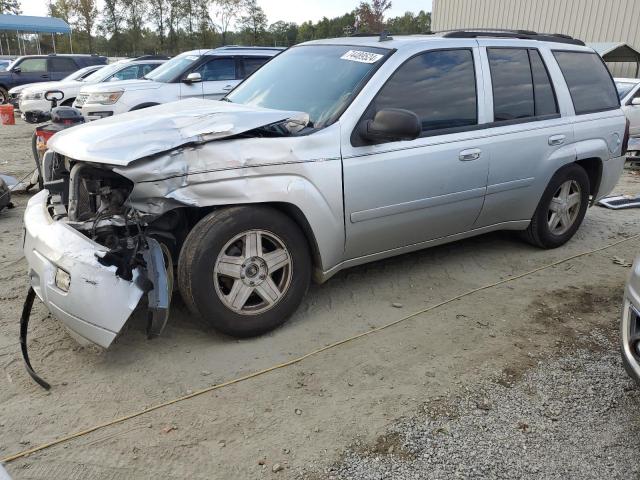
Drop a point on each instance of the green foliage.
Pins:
(137, 27)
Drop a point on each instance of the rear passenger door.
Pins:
(403, 193)
(527, 129)
(60, 67)
(219, 76)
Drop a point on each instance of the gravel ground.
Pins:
(569, 417)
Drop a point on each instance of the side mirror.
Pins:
(635, 101)
(392, 124)
(16, 69)
(193, 77)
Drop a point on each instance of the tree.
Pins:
(226, 12)
(158, 15)
(371, 15)
(86, 13)
(254, 20)
(284, 33)
(10, 7)
(111, 23)
(134, 13)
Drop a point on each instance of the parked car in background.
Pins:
(43, 68)
(32, 98)
(78, 75)
(630, 324)
(629, 93)
(335, 153)
(199, 73)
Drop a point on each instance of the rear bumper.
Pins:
(630, 324)
(97, 303)
(611, 172)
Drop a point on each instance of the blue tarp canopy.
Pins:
(27, 24)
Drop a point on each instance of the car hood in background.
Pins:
(121, 139)
(21, 88)
(122, 85)
(46, 86)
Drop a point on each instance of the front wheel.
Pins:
(244, 269)
(561, 209)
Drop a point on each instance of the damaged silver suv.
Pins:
(335, 153)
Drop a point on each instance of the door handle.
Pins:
(471, 154)
(227, 88)
(556, 140)
(44, 76)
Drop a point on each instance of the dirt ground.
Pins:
(305, 417)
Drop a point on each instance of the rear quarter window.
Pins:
(590, 83)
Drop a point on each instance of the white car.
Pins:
(16, 92)
(32, 98)
(629, 93)
(198, 73)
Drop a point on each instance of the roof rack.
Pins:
(503, 33)
(152, 57)
(240, 47)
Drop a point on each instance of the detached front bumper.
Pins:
(97, 303)
(630, 324)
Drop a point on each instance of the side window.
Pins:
(439, 86)
(543, 94)
(512, 84)
(129, 73)
(32, 65)
(251, 64)
(218, 69)
(590, 84)
(520, 83)
(144, 69)
(61, 64)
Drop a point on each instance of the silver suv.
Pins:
(336, 153)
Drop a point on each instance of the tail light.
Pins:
(625, 139)
(42, 137)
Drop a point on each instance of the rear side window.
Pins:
(62, 65)
(218, 69)
(439, 86)
(590, 84)
(251, 64)
(521, 85)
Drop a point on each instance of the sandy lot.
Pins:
(333, 412)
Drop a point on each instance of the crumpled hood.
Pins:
(121, 139)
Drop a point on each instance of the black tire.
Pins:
(199, 254)
(143, 105)
(539, 232)
(4, 96)
(68, 102)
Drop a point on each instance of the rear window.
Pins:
(590, 84)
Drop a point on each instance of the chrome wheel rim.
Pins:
(564, 207)
(252, 272)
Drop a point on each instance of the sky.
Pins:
(288, 10)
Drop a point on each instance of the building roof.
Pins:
(25, 23)
(615, 51)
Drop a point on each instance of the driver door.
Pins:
(219, 77)
(403, 193)
(31, 70)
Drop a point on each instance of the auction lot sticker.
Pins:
(362, 57)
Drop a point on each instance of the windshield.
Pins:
(317, 79)
(104, 72)
(78, 74)
(624, 88)
(174, 67)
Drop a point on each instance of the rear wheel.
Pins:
(561, 209)
(244, 270)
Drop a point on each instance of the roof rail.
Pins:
(152, 57)
(503, 33)
(240, 47)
